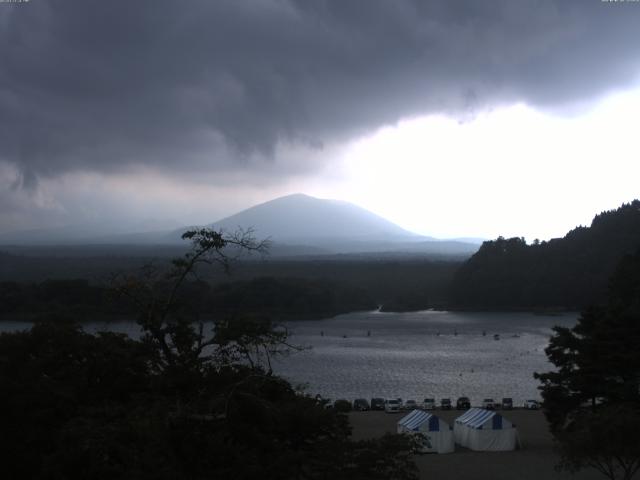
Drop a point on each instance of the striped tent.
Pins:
(435, 435)
(485, 430)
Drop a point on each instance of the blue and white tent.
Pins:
(485, 430)
(435, 435)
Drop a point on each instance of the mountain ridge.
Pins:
(336, 227)
(296, 224)
(299, 216)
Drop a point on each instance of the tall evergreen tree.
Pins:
(592, 400)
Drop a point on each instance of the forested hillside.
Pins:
(279, 298)
(569, 272)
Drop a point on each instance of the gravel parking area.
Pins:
(534, 461)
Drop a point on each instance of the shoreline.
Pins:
(534, 461)
(278, 316)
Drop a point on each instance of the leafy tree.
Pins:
(592, 400)
(605, 439)
(168, 322)
(57, 381)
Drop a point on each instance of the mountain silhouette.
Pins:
(301, 225)
(297, 225)
(300, 218)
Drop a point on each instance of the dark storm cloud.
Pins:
(197, 86)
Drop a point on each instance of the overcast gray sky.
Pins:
(449, 117)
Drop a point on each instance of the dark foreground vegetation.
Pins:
(592, 399)
(181, 403)
(79, 406)
(567, 273)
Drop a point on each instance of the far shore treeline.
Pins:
(281, 298)
(343, 285)
(567, 273)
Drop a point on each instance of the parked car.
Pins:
(489, 404)
(392, 405)
(342, 405)
(429, 404)
(531, 405)
(507, 403)
(361, 405)
(377, 403)
(410, 405)
(445, 404)
(463, 403)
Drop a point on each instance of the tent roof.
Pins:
(417, 418)
(477, 417)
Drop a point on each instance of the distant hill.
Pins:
(297, 226)
(570, 272)
(300, 218)
(302, 225)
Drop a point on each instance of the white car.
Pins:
(429, 404)
(531, 405)
(392, 405)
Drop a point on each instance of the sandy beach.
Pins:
(534, 461)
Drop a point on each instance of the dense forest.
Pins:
(302, 288)
(568, 273)
(279, 298)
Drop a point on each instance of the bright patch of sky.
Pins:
(513, 171)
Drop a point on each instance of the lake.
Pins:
(410, 355)
(422, 354)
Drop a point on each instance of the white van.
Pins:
(392, 405)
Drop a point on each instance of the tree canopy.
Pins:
(570, 272)
(592, 399)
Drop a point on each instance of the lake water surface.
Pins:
(422, 354)
(410, 355)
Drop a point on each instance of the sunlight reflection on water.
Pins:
(422, 354)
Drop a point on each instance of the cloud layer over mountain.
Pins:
(200, 85)
(121, 109)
